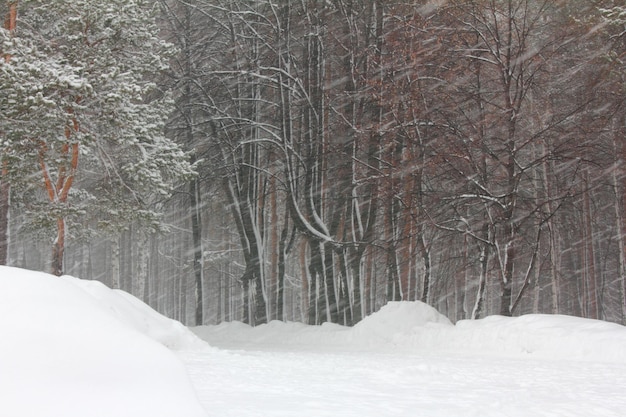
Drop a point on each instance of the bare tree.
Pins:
(504, 47)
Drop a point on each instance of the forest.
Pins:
(311, 160)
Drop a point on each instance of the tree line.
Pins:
(466, 153)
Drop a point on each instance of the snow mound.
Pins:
(398, 317)
(380, 329)
(73, 348)
(542, 336)
(419, 328)
(275, 335)
(136, 314)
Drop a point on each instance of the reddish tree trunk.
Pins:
(58, 194)
(5, 189)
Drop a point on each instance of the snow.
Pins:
(409, 360)
(73, 348)
(414, 327)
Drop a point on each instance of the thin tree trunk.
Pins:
(280, 292)
(260, 299)
(393, 282)
(141, 274)
(5, 188)
(308, 285)
(228, 285)
(198, 252)
(425, 254)
(510, 228)
(115, 262)
(194, 185)
(620, 223)
(58, 249)
(245, 285)
(219, 315)
(314, 274)
(274, 252)
(555, 247)
(478, 308)
(591, 284)
(5, 204)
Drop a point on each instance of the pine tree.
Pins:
(90, 118)
(5, 190)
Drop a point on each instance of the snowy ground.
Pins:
(342, 384)
(399, 363)
(73, 348)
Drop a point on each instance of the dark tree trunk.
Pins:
(58, 249)
(196, 232)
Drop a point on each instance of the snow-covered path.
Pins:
(244, 381)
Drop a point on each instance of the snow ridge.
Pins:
(419, 328)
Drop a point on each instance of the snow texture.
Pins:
(418, 328)
(408, 360)
(73, 348)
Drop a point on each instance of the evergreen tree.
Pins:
(84, 120)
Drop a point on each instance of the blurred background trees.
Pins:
(468, 154)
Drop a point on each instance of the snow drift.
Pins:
(552, 337)
(74, 348)
(417, 327)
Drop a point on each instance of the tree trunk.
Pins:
(591, 284)
(506, 284)
(58, 249)
(318, 301)
(198, 252)
(245, 286)
(194, 185)
(280, 293)
(555, 243)
(140, 277)
(314, 274)
(5, 204)
(260, 316)
(5, 188)
(59, 193)
(115, 262)
(482, 282)
(478, 308)
(425, 254)
(620, 223)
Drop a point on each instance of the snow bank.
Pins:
(378, 329)
(276, 335)
(136, 314)
(72, 348)
(398, 318)
(417, 327)
(556, 337)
